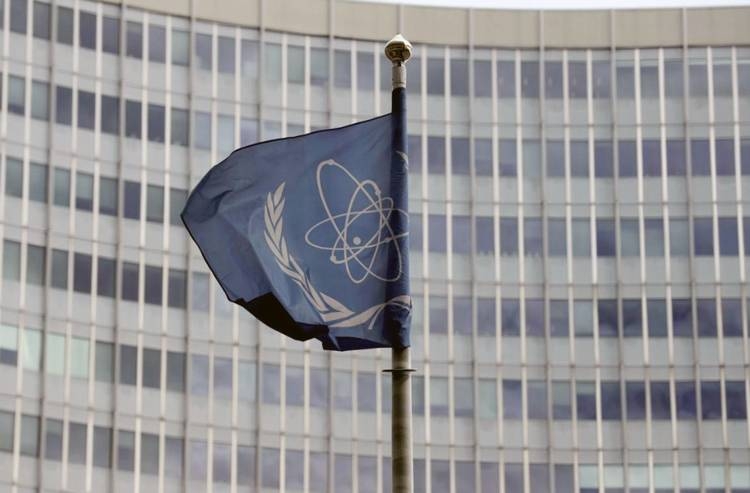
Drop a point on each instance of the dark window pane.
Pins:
(342, 64)
(676, 157)
(226, 55)
(508, 158)
(157, 39)
(156, 123)
(512, 399)
(611, 402)
(631, 318)
(153, 284)
(132, 200)
(435, 76)
(436, 154)
(133, 119)
(365, 71)
(660, 400)
(53, 439)
(636, 400)
(625, 82)
(482, 78)
(555, 158)
(533, 241)
(86, 110)
(437, 233)
(42, 23)
(84, 191)
(60, 269)
(654, 237)
(271, 384)
(685, 397)
(76, 443)
(673, 79)
(177, 295)
(510, 317)
(508, 236)
(486, 316)
(682, 317)
(710, 400)
(536, 396)
(87, 29)
(561, 405)
(105, 277)
(151, 374)
(485, 234)
(700, 157)
(706, 313)
(459, 77)
(65, 25)
(129, 281)
(724, 157)
(180, 129)
(111, 35)
(605, 237)
(506, 79)
(556, 237)
(601, 79)
(460, 155)
(651, 154)
(626, 158)
(577, 80)
(530, 79)
(462, 315)
(534, 317)
(82, 273)
(586, 400)
(735, 399)
(126, 450)
(698, 79)
(16, 95)
(13, 178)
(558, 318)
(128, 364)
(630, 239)
(649, 80)
(731, 317)
(63, 105)
(110, 109)
(607, 313)
(603, 167)
(102, 456)
(37, 182)
(553, 84)
(134, 39)
(483, 157)
(579, 159)
(199, 374)
(728, 237)
(175, 371)
(18, 15)
(703, 238)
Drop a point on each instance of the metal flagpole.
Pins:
(398, 51)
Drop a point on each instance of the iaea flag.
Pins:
(310, 234)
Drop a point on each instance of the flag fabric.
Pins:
(310, 233)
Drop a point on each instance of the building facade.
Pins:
(578, 237)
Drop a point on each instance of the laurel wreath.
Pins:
(335, 313)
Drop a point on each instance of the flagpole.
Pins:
(398, 51)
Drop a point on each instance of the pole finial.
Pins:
(398, 50)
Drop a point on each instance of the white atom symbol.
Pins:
(361, 228)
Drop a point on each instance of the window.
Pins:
(607, 316)
(42, 15)
(270, 380)
(579, 159)
(133, 119)
(156, 123)
(202, 130)
(626, 158)
(679, 237)
(29, 436)
(35, 263)
(82, 273)
(63, 105)
(601, 79)
(129, 281)
(11, 260)
(682, 317)
(222, 470)
(155, 203)
(225, 134)
(173, 454)
(151, 375)
(706, 315)
(508, 236)
(157, 39)
(125, 450)
(459, 77)
(18, 13)
(319, 67)
(530, 79)
(561, 405)
(728, 237)
(200, 291)
(586, 400)
(710, 400)
(724, 149)
(654, 237)
(460, 155)
(435, 76)
(153, 285)
(250, 59)
(53, 439)
(673, 81)
(735, 399)
(8, 345)
(463, 397)
(625, 80)
(482, 78)
(108, 200)
(16, 95)
(553, 84)
(603, 167)
(203, 51)
(660, 400)
(610, 401)
(555, 158)
(556, 237)
(110, 114)
(84, 191)
(605, 237)
(199, 374)
(532, 159)
(577, 80)
(506, 79)
(703, 239)
(366, 392)
(269, 464)
(79, 357)
(436, 154)
(536, 395)
(630, 245)
(104, 354)
(632, 318)
(61, 192)
(76, 443)
(64, 25)
(223, 378)
(134, 39)
(13, 177)
(102, 456)
(59, 269)
(177, 199)
(177, 288)
(558, 318)
(583, 317)
(510, 310)
(39, 100)
(319, 388)
(487, 398)
(87, 30)
(111, 35)
(508, 158)
(180, 127)
(731, 317)
(685, 397)
(149, 453)
(128, 364)
(175, 371)
(132, 200)
(512, 399)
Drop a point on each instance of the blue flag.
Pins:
(309, 234)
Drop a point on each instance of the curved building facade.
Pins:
(579, 231)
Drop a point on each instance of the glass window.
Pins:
(610, 401)
(82, 273)
(270, 380)
(586, 400)
(728, 237)
(175, 371)
(706, 314)
(625, 80)
(129, 281)
(63, 105)
(177, 288)
(86, 110)
(222, 469)
(561, 405)
(84, 191)
(319, 67)
(180, 47)
(601, 79)
(366, 392)
(125, 450)
(724, 149)
(482, 79)
(679, 237)
(435, 76)
(506, 79)
(660, 401)
(512, 399)
(365, 71)
(685, 397)
(583, 317)
(485, 235)
(102, 447)
(626, 158)
(151, 375)
(459, 77)
(460, 155)
(134, 39)
(654, 237)
(104, 354)
(39, 100)
(79, 357)
(319, 388)
(223, 378)
(32, 349)
(153, 284)
(11, 260)
(226, 55)
(177, 199)
(703, 239)
(342, 390)
(514, 477)
(508, 158)
(13, 177)
(577, 80)
(607, 314)
(418, 397)
(157, 40)
(272, 63)
(581, 237)
(156, 115)
(439, 400)
(489, 477)
(149, 453)
(487, 398)
(198, 458)
(632, 316)
(87, 29)
(436, 154)
(29, 445)
(710, 400)
(108, 199)
(8, 345)
(698, 79)
(651, 154)
(508, 236)
(110, 114)
(735, 399)
(558, 318)
(199, 374)
(532, 159)
(132, 200)
(463, 397)
(42, 16)
(62, 187)
(269, 465)
(59, 269)
(76, 443)
(700, 155)
(18, 13)
(225, 134)
(534, 317)
(673, 78)
(154, 203)
(64, 25)
(53, 439)
(553, 84)
(682, 317)
(482, 156)
(555, 158)
(603, 167)
(536, 395)
(180, 127)
(128, 364)
(579, 159)
(133, 119)
(605, 237)
(511, 317)
(35, 263)
(202, 130)
(111, 35)
(173, 455)
(16, 94)
(731, 317)
(342, 64)
(250, 58)
(630, 243)
(530, 79)
(200, 291)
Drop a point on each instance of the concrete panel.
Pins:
(509, 28)
(432, 25)
(652, 27)
(576, 29)
(173, 7)
(718, 26)
(378, 22)
(297, 16)
(233, 12)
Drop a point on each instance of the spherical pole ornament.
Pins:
(398, 51)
